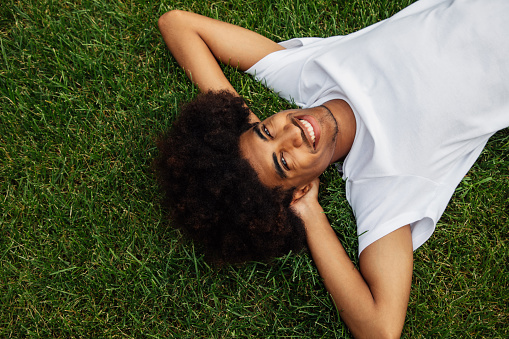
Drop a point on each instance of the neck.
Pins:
(345, 119)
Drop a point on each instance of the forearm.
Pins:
(198, 42)
(344, 282)
(366, 314)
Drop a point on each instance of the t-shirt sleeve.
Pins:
(382, 205)
(282, 71)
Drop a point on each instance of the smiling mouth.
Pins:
(309, 129)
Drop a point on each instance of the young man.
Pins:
(408, 103)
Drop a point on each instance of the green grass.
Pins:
(85, 251)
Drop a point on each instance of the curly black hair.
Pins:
(213, 194)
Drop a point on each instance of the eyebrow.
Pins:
(279, 170)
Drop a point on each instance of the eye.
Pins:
(283, 161)
(266, 131)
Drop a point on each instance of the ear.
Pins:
(300, 192)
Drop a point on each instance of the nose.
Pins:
(292, 136)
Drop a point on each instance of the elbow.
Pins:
(169, 20)
(384, 331)
(383, 328)
(164, 20)
(388, 333)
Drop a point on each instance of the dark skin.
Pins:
(373, 300)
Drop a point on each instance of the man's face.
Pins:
(291, 148)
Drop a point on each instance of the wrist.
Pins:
(311, 212)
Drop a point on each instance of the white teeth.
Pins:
(309, 128)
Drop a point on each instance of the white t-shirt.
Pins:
(428, 87)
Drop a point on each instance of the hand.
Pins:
(305, 202)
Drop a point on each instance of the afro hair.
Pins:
(213, 194)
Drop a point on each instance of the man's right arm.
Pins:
(197, 42)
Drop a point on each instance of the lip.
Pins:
(316, 128)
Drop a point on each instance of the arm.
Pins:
(197, 41)
(371, 302)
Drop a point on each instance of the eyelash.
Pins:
(283, 160)
(284, 163)
(266, 131)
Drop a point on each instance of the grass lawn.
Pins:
(85, 250)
